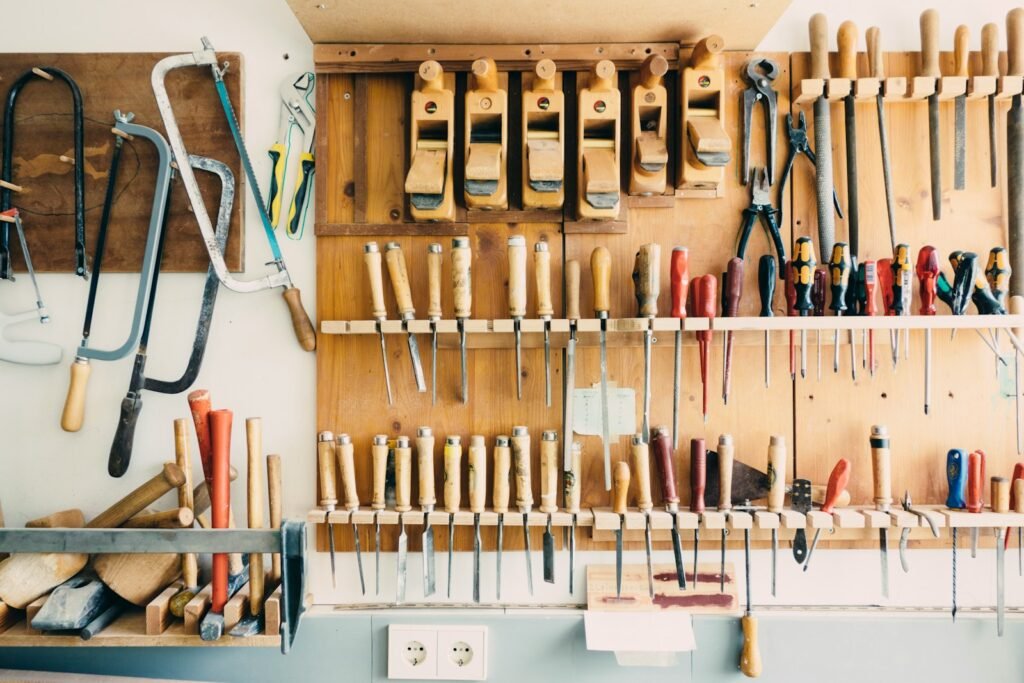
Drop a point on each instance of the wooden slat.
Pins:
(237, 607)
(158, 611)
(196, 608)
(272, 614)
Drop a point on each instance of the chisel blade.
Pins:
(647, 547)
(462, 360)
(359, 557)
(376, 549)
(775, 552)
(549, 553)
(696, 543)
(618, 560)
(547, 363)
(519, 360)
(993, 142)
(433, 363)
(904, 537)
(960, 142)
(451, 545)
(935, 155)
(330, 543)
(403, 548)
(883, 550)
(974, 543)
(646, 429)
(476, 558)
(677, 555)
(384, 357)
(605, 427)
(417, 366)
(721, 571)
(526, 543)
(567, 407)
(499, 543)
(429, 562)
(1000, 581)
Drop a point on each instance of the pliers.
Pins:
(904, 535)
(298, 112)
(799, 144)
(761, 73)
(761, 207)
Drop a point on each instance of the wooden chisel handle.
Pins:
(1015, 42)
(620, 487)
(379, 462)
(220, 499)
(399, 276)
(327, 470)
(1018, 493)
(170, 477)
(434, 262)
(837, 482)
(502, 468)
(601, 275)
(961, 51)
(776, 473)
(372, 258)
(647, 279)
(1000, 494)
(876, 59)
(639, 455)
(462, 281)
(542, 279)
(698, 474)
(274, 484)
(571, 480)
(199, 405)
(663, 460)
(189, 561)
(452, 474)
(930, 44)
(549, 472)
(73, 415)
(425, 466)
(818, 30)
(517, 276)
(572, 289)
(521, 464)
(345, 455)
(847, 43)
(881, 465)
(477, 463)
(726, 455)
(403, 475)
(990, 50)
(301, 324)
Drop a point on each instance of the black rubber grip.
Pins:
(124, 436)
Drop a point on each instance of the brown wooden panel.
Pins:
(43, 131)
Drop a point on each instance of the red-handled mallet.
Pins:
(212, 626)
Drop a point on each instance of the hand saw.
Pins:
(298, 115)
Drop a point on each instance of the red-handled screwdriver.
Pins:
(679, 275)
(927, 276)
(870, 308)
(837, 482)
(698, 480)
(885, 280)
(730, 308)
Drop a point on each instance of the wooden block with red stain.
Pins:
(705, 598)
(196, 609)
(31, 610)
(237, 607)
(158, 611)
(272, 613)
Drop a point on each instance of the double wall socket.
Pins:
(437, 653)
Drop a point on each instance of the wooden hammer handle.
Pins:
(199, 405)
(169, 478)
(274, 484)
(254, 500)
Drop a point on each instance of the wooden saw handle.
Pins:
(818, 29)
(73, 416)
(549, 472)
(477, 462)
(304, 331)
(930, 44)
(517, 276)
(639, 454)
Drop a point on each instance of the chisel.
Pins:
(399, 276)
(571, 501)
(1000, 505)
(619, 507)
(572, 312)
(477, 463)
(639, 453)
(847, 44)
(956, 477)
(462, 286)
(452, 493)
(545, 309)
(766, 274)
(663, 461)
(679, 277)
(927, 275)
(803, 264)
(647, 287)
(427, 500)
(990, 68)
(601, 274)
(499, 499)
(725, 461)
(517, 299)
(876, 69)
(961, 55)
(730, 309)
(434, 310)
(776, 490)
(379, 462)
(524, 491)
(837, 482)
(328, 489)
(822, 134)
(549, 497)
(930, 69)
(881, 467)
(403, 503)
(372, 258)
(698, 479)
(344, 453)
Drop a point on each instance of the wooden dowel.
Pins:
(11, 186)
(66, 159)
(42, 74)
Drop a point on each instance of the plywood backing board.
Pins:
(109, 81)
(972, 403)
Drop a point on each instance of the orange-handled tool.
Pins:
(679, 279)
(705, 304)
(730, 309)
(927, 276)
(837, 482)
(220, 498)
(199, 405)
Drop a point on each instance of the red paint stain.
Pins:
(722, 600)
(612, 600)
(702, 578)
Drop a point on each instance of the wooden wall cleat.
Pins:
(543, 138)
(486, 139)
(649, 153)
(431, 146)
(597, 164)
(706, 147)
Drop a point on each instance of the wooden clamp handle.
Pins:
(881, 466)
(462, 256)
(847, 42)
(1000, 494)
(432, 74)
(663, 456)
(837, 482)
(301, 324)
(549, 472)
(602, 76)
(345, 454)
(601, 274)
(750, 658)
(399, 277)
(818, 28)
(434, 259)
(930, 44)
(425, 465)
(379, 461)
(220, 500)
(73, 416)
(502, 469)
(620, 487)
(647, 279)
(254, 501)
(477, 463)
(961, 51)
(572, 289)
(726, 456)
(776, 473)
(545, 71)
(571, 480)
(274, 485)
(1015, 42)
(639, 455)
(542, 278)
(517, 276)
(990, 50)
(373, 259)
(327, 469)
(698, 474)
(521, 465)
(199, 405)
(485, 74)
(705, 52)
(653, 70)
(170, 477)
(876, 60)
(452, 473)
(403, 475)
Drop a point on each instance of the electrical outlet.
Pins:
(461, 653)
(412, 652)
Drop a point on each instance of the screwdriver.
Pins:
(434, 311)
(463, 291)
(346, 466)
(956, 477)
(870, 280)
(858, 302)
(883, 272)
(601, 274)
(373, 260)
(927, 274)
(452, 493)
(705, 302)
(517, 299)
(766, 274)
(571, 494)
(901, 292)
(379, 462)
(399, 276)
(549, 497)
(663, 460)
(647, 287)
(818, 289)
(837, 482)
(839, 282)
(328, 488)
(803, 269)
(730, 309)
(975, 491)
(427, 501)
(477, 463)
(997, 274)
(791, 311)
(640, 456)
(776, 490)
(679, 275)
(500, 496)
(725, 461)
(698, 480)
(545, 309)
(524, 490)
(619, 507)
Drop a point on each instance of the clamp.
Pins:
(761, 73)
(761, 208)
(905, 534)
(799, 144)
(298, 112)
